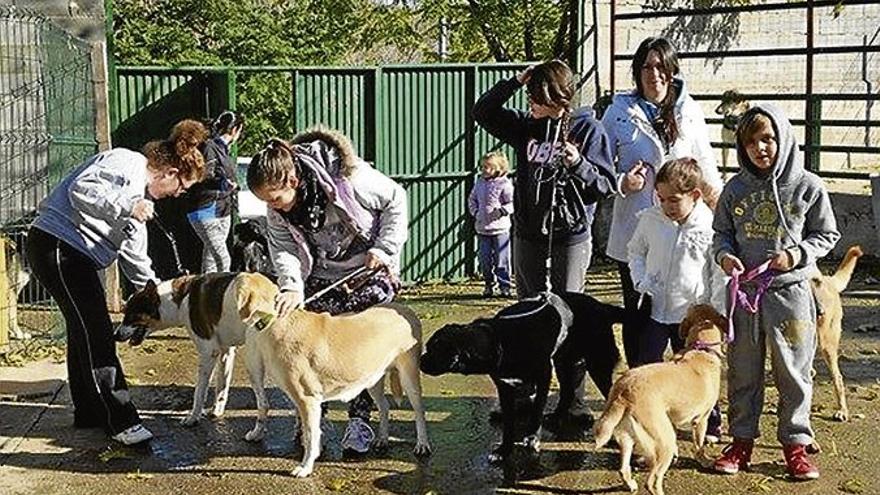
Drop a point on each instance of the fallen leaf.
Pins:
(852, 486)
(110, 454)
(138, 475)
(337, 484)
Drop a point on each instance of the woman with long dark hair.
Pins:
(654, 123)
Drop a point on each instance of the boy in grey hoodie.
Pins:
(772, 211)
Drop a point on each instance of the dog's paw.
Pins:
(256, 434)
(302, 471)
(191, 420)
(841, 415)
(630, 484)
(500, 453)
(422, 449)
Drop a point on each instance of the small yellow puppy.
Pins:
(647, 403)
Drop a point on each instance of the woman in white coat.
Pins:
(654, 123)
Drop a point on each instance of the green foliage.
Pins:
(323, 33)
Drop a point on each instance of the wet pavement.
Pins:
(40, 452)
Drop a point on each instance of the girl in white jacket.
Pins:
(656, 122)
(670, 259)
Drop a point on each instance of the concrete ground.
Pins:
(40, 452)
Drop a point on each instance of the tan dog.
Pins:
(646, 404)
(317, 357)
(829, 325)
(313, 357)
(733, 105)
(16, 279)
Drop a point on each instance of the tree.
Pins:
(328, 32)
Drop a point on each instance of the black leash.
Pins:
(339, 282)
(178, 266)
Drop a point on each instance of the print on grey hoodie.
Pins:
(789, 208)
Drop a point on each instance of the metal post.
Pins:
(809, 113)
(612, 44)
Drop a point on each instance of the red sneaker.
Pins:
(735, 456)
(798, 463)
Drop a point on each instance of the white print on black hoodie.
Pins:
(532, 139)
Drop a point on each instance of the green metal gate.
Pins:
(412, 122)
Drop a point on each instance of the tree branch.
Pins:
(498, 51)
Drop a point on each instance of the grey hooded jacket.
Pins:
(788, 209)
(90, 209)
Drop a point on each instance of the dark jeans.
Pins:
(494, 254)
(377, 289)
(652, 342)
(97, 384)
(632, 327)
(568, 269)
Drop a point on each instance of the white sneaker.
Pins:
(136, 434)
(358, 436)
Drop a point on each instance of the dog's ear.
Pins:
(686, 324)
(180, 288)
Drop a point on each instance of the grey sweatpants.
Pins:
(786, 325)
(213, 234)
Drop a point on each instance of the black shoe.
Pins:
(567, 419)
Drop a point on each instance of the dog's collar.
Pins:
(711, 347)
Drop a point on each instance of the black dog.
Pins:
(518, 347)
(250, 251)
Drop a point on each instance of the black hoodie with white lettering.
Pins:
(537, 145)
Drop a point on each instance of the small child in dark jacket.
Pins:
(491, 204)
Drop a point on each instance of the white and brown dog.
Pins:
(646, 404)
(733, 105)
(313, 357)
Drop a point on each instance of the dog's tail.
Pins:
(613, 415)
(396, 387)
(844, 272)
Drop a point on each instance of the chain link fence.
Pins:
(47, 126)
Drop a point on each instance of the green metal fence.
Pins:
(47, 115)
(413, 122)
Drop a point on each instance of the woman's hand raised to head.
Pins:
(524, 76)
(634, 180)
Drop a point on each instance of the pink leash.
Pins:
(761, 276)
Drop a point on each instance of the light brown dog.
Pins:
(647, 403)
(313, 357)
(829, 325)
